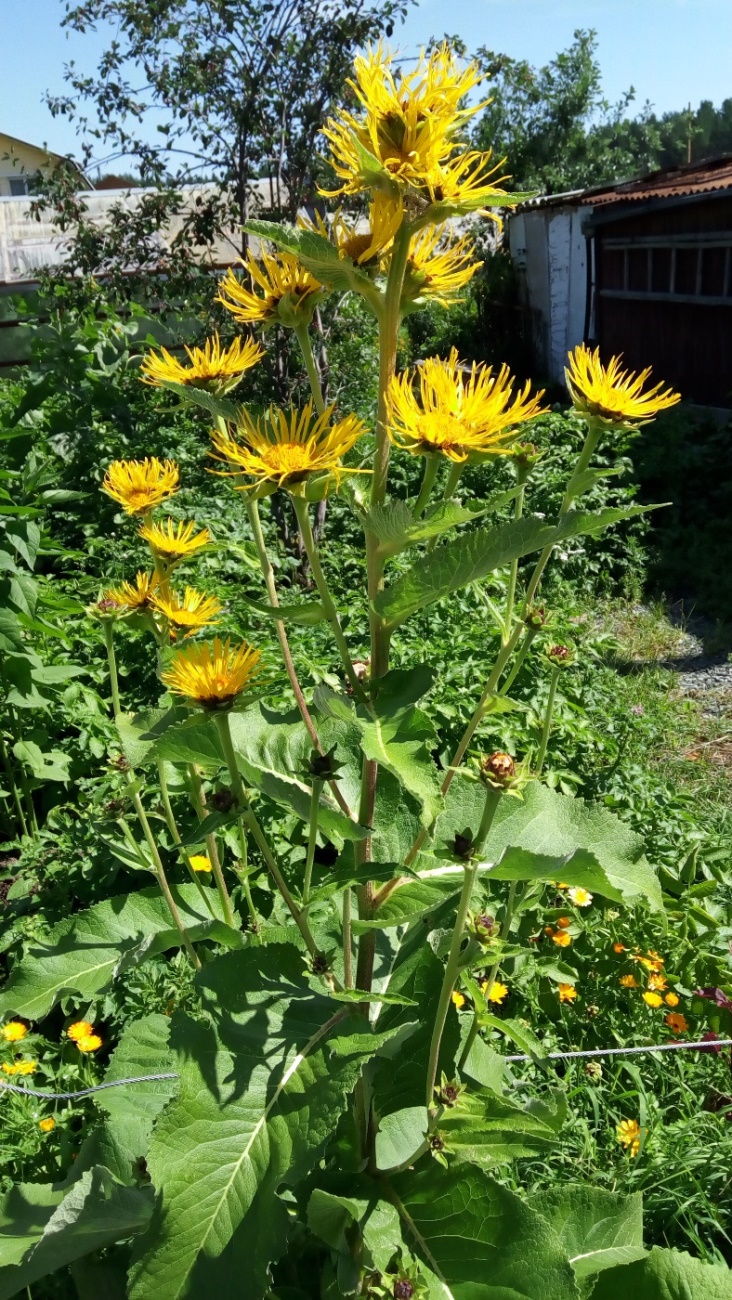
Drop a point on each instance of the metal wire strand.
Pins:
(84, 1092)
(706, 1044)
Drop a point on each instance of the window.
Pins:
(18, 186)
(670, 268)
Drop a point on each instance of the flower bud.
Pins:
(498, 769)
(593, 1070)
(449, 1092)
(535, 616)
(482, 927)
(323, 767)
(403, 1289)
(463, 846)
(526, 455)
(560, 656)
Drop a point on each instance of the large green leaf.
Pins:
(549, 836)
(664, 1275)
(396, 528)
(474, 555)
(481, 1240)
(142, 1049)
(412, 902)
(399, 1083)
(259, 1099)
(216, 406)
(317, 254)
(488, 1131)
(82, 952)
(598, 1229)
(302, 615)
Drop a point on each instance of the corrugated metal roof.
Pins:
(688, 178)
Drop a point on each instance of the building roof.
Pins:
(670, 182)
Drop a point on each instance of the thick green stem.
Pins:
(452, 969)
(347, 938)
(312, 841)
(163, 881)
(13, 786)
(222, 724)
(17, 732)
(547, 723)
(492, 973)
(108, 630)
(302, 334)
(453, 478)
(178, 841)
(518, 510)
(431, 466)
(303, 519)
(255, 524)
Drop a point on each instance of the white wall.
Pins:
(549, 252)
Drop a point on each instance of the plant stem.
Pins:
(13, 786)
(199, 803)
(108, 630)
(547, 724)
(518, 510)
(303, 519)
(453, 478)
(452, 968)
(177, 840)
(269, 582)
(17, 732)
(224, 730)
(519, 660)
(163, 880)
(493, 972)
(347, 939)
(312, 840)
(302, 334)
(431, 466)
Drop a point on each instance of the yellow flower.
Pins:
(290, 293)
(629, 1135)
(20, 1067)
(498, 991)
(672, 999)
(653, 999)
(138, 485)
(286, 447)
(561, 938)
(212, 676)
(188, 612)
(199, 862)
(458, 1000)
(651, 961)
(89, 1043)
(567, 992)
(657, 983)
(677, 1022)
(14, 1031)
(618, 947)
(438, 273)
(468, 184)
(611, 394)
(579, 896)
(132, 597)
(173, 542)
(459, 413)
(628, 981)
(79, 1029)
(47, 1125)
(211, 367)
(385, 217)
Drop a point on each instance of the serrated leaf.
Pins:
(143, 1048)
(410, 903)
(664, 1275)
(138, 732)
(485, 1066)
(396, 528)
(317, 254)
(520, 1034)
(476, 554)
(598, 1229)
(216, 406)
(301, 615)
(487, 1130)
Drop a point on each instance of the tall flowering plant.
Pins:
(333, 1116)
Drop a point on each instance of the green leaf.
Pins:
(475, 555)
(481, 1240)
(82, 953)
(400, 1135)
(396, 528)
(317, 254)
(24, 1212)
(399, 1083)
(598, 1229)
(51, 766)
(257, 1106)
(664, 1275)
(301, 615)
(142, 1049)
(216, 406)
(410, 903)
(519, 1033)
(487, 1130)
(25, 536)
(485, 1066)
(139, 732)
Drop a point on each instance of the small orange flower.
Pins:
(564, 922)
(14, 1031)
(562, 939)
(79, 1029)
(567, 992)
(618, 947)
(671, 999)
(498, 991)
(47, 1125)
(657, 983)
(677, 1022)
(629, 1135)
(459, 1000)
(628, 981)
(89, 1043)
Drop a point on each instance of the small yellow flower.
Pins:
(579, 896)
(138, 485)
(89, 1043)
(385, 217)
(561, 938)
(611, 394)
(47, 1125)
(211, 367)
(459, 1000)
(672, 999)
(677, 1022)
(567, 992)
(657, 983)
(14, 1031)
(20, 1067)
(212, 676)
(436, 269)
(628, 981)
(618, 947)
(629, 1135)
(651, 961)
(172, 542)
(132, 597)
(653, 999)
(79, 1029)
(498, 991)
(286, 447)
(188, 612)
(199, 862)
(461, 414)
(290, 293)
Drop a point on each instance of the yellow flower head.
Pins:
(458, 1000)
(138, 485)
(672, 999)
(651, 961)
(172, 542)
(362, 246)
(20, 1067)
(212, 676)
(618, 947)
(437, 270)
(653, 999)
(579, 896)
(47, 1125)
(495, 992)
(561, 938)
(567, 992)
(14, 1031)
(459, 413)
(211, 367)
(628, 981)
(131, 597)
(629, 1135)
(89, 1043)
(677, 1022)
(79, 1029)
(468, 183)
(611, 394)
(188, 612)
(286, 447)
(199, 862)
(657, 983)
(289, 293)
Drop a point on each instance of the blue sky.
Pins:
(673, 51)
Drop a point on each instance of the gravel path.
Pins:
(707, 677)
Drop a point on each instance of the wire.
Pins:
(85, 1092)
(707, 1044)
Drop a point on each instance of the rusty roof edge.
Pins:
(679, 175)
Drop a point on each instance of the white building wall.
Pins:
(549, 252)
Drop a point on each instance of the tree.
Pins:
(555, 126)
